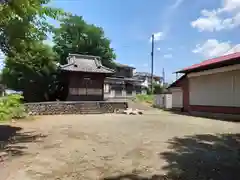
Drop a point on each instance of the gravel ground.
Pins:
(118, 147)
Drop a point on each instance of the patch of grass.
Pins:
(11, 107)
(145, 98)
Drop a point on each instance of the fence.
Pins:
(163, 101)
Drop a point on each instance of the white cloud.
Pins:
(158, 49)
(234, 49)
(230, 5)
(177, 4)
(213, 20)
(170, 49)
(168, 56)
(158, 36)
(214, 48)
(166, 19)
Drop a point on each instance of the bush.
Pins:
(145, 98)
(11, 107)
(157, 89)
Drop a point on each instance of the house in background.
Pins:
(146, 78)
(122, 83)
(126, 82)
(212, 86)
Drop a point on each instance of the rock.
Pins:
(3, 156)
(134, 112)
(13, 121)
(128, 111)
(139, 111)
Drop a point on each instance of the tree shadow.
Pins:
(213, 116)
(204, 157)
(198, 157)
(136, 177)
(13, 140)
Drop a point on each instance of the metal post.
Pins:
(152, 56)
(163, 77)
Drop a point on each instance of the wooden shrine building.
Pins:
(85, 77)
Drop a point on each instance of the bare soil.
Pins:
(156, 145)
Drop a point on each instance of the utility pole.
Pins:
(152, 55)
(163, 77)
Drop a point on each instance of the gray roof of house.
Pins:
(145, 74)
(124, 65)
(124, 79)
(129, 80)
(85, 63)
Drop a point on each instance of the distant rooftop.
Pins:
(146, 74)
(124, 65)
(85, 63)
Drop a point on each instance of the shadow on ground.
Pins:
(199, 157)
(136, 177)
(13, 140)
(214, 116)
(204, 157)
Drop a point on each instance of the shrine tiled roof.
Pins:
(85, 63)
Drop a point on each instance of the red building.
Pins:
(211, 86)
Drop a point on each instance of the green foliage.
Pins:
(11, 107)
(23, 21)
(32, 72)
(76, 36)
(145, 98)
(157, 89)
(30, 66)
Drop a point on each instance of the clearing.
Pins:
(115, 147)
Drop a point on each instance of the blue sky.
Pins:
(187, 31)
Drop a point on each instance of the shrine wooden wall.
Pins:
(85, 86)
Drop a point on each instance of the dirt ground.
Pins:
(114, 147)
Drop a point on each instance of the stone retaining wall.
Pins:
(77, 107)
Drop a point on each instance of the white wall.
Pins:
(145, 83)
(163, 101)
(177, 97)
(215, 89)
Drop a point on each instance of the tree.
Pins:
(29, 66)
(76, 36)
(33, 73)
(24, 20)
(157, 89)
